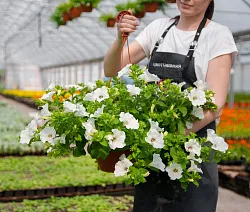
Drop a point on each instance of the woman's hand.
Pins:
(127, 24)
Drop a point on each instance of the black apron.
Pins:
(159, 193)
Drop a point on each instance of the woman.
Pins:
(188, 48)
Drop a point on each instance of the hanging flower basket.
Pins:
(108, 165)
(148, 120)
(170, 1)
(66, 17)
(87, 7)
(75, 12)
(111, 22)
(151, 6)
(140, 14)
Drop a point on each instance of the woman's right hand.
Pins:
(127, 24)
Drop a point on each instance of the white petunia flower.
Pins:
(157, 162)
(210, 134)
(194, 168)
(101, 94)
(81, 111)
(124, 70)
(180, 85)
(90, 128)
(133, 90)
(90, 85)
(48, 134)
(77, 87)
(155, 125)
(32, 126)
(117, 139)
(148, 77)
(201, 85)
(51, 87)
(198, 112)
(193, 146)
(45, 111)
(129, 120)
(122, 166)
(98, 112)
(197, 97)
(72, 146)
(62, 138)
(25, 136)
(49, 150)
(218, 142)
(48, 96)
(189, 125)
(69, 107)
(155, 138)
(191, 156)
(174, 171)
(89, 97)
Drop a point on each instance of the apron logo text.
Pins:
(165, 65)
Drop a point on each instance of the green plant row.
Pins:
(12, 122)
(238, 152)
(241, 97)
(93, 203)
(32, 172)
(238, 133)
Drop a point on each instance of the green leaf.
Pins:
(78, 152)
(183, 110)
(78, 137)
(181, 127)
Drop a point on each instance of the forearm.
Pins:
(112, 60)
(209, 116)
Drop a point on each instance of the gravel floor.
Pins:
(228, 200)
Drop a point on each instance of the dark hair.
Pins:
(210, 10)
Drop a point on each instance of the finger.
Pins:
(126, 25)
(129, 17)
(126, 30)
(134, 23)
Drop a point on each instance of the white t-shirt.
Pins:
(215, 40)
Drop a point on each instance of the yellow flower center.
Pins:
(175, 170)
(153, 139)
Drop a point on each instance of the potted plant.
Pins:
(153, 5)
(88, 5)
(76, 8)
(170, 1)
(108, 18)
(137, 8)
(61, 14)
(143, 122)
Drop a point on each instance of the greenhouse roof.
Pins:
(28, 36)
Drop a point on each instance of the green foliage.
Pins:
(134, 5)
(241, 97)
(41, 172)
(56, 16)
(93, 2)
(93, 203)
(104, 17)
(238, 152)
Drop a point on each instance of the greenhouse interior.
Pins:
(74, 138)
